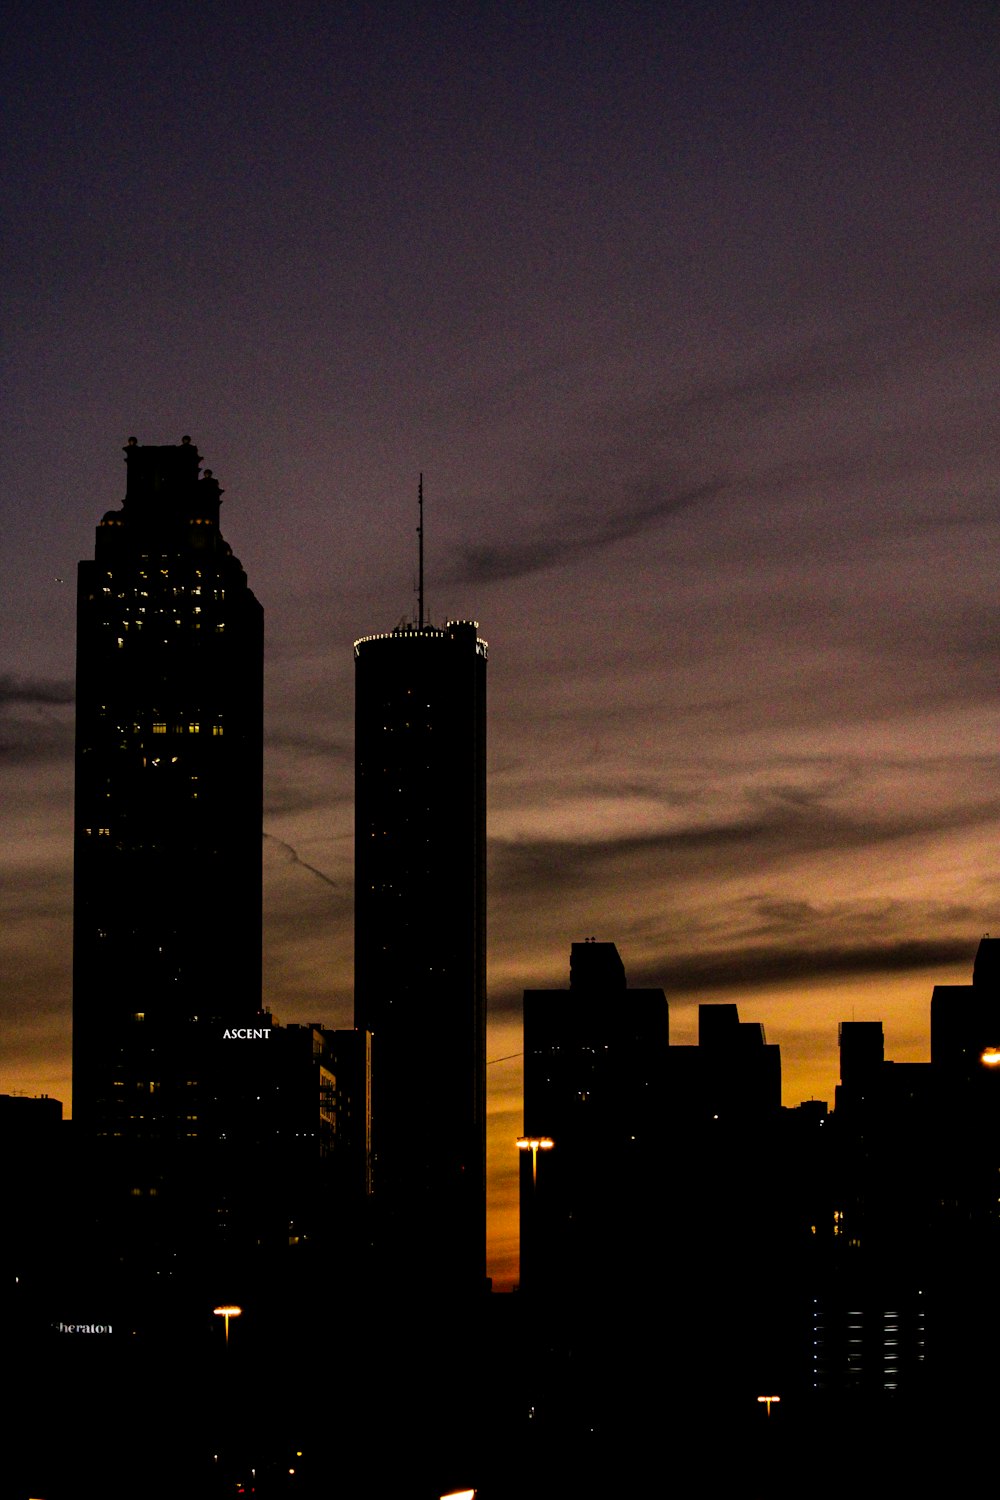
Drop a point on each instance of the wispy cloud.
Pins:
(786, 426)
(584, 525)
(33, 724)
(28, 691)
(292, 856)
(772, 942)
(755, 967)
(790, 822)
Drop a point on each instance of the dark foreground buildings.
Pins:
(649, 1194)
(674, 1216)
(420, 944)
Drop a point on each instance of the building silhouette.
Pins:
(420, 942)
(595, 1059)
(167, 878)
(167, 881)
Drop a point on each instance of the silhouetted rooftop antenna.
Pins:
(420, 555)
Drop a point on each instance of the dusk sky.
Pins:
(688, 313)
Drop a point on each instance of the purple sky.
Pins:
(689, 315)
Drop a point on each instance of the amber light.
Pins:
(227, 1313)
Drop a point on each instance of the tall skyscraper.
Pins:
(167, 883)
(420, 941)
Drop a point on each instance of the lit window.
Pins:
(194, 729)
(159, 728)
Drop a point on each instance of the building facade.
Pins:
(420, 941)
(167, 879)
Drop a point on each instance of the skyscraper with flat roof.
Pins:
(167, 882)
(420, 940)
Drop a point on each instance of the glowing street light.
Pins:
(459, 1495)
(767, 1401)
(534, 1144)
(990, 1057)
(227, 1313)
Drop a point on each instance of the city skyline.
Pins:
(690, 323)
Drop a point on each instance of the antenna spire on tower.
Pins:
(420, 555)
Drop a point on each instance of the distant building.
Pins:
(595, 1059)
(420, 943)
(965, 1061)
(740, 1070)
(898, 1290)
(965, 1021)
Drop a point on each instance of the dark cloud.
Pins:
(779, 823)
(490, 563)
(582, 527)
(852, 356)
(794, 424)
(291, 856)
(685, 977)
(31, 691)
(33, 727)
(759, 967)
(284, 795)
(310, 743)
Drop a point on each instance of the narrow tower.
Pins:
(420, 941)
(167, 883)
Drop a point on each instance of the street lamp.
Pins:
(534, 1144)
(767, 1401)
(227, 1313)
